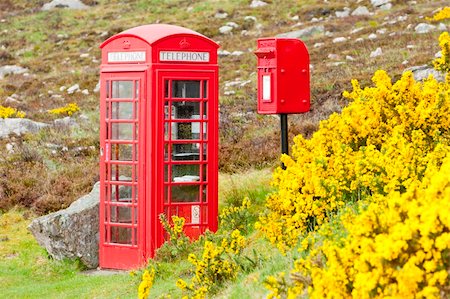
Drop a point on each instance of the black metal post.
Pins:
(284, 136)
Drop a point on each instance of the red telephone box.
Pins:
(158, 139)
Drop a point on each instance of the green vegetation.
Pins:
(27, 272)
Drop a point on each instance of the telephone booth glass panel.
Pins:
(120, 161)
(185, 156)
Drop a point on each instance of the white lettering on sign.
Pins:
(195, 214)
(126, 56)
(266, 84)
(184, 56)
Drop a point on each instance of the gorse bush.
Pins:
(178, 244)
(67, 110)
(384, 163)
(378, 144)
(218, 263)
(8, 112)
(442, 14)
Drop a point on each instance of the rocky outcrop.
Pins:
(71, 233)
(19, 126)
(305, 32)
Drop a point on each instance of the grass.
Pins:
(27, 272)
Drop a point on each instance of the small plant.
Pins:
(146, 284)
(217, 265)
(67, 110)
(443, 63)
(443, 14)
(8, 112)
(233, 217)
(179, 244)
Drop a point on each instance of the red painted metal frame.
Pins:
(150, 143)
(286, 61)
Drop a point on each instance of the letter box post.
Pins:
(283, 80)
(158, 139)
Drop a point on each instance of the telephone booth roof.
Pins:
(155, 33)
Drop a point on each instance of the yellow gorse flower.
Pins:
(443, 14)
(67, 110)
(146, 284)
(387, 153)
(8, 112)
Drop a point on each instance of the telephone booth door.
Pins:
(121, 220)
(190, 149)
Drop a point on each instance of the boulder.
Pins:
(11, 70)
(305, 32)
(72, 4)
(424, 28)
(422, 72)
(73, 232)
(361, 11)
(19, 126)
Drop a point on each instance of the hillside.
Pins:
(363, 202)
(59, 49)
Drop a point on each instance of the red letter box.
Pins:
(158, 138)
(283, 76)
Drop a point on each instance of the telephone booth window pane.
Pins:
(205, 193)
(205, 110)
(123, 152)
(185, 193)
(185, 172)
(187, 131)
(122, 131)
(122, 110)
(123, 173)
(186, 89)
(122, 193)
(186, 110)
(205, 89)
(120, 214)
(166, 88)
(186, 151)
(166, 173)
(107, 90)
(136, 93)
(122, 89)
(204, 173)
(120, 235)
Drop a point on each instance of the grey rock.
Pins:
(339, 39)
(378, 3)
(226, 29)
(232, 24)
(11, 70)
(65, 122)
(71, 233)
(422, 72)
(361, 11)
(376, 53)
(221, 15)
(72, 4)
(257, 3)
(73, 88)
(343, 13)
(305, 32)
(386, 6)
(442, 27)
(19, 126)
(424, 28)
(223, 53)
(97, 87)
